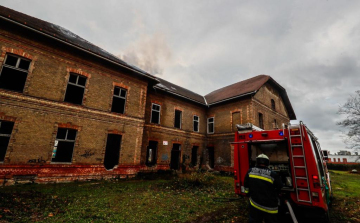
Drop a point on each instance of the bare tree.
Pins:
(352, 121)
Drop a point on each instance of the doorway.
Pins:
(112, 152)
(175, 157)
(211, 156)
(151, 153)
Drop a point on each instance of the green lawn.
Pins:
(346, 191)
(183, 199)
(188, 198)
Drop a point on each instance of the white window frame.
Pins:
(198, 123)
(156, 111)
(119, 96)
(65, 140)
(213, 125)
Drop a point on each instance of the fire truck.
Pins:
(296, 156)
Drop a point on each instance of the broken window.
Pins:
(196, 123)
(210, 125)
(151, 153)
(272, 104)
(119, 100)
(14, 73)
(177, 122)
(75, 89)
(5, 134)
(194, 157)
(64, 145)
(235, 120)
(155, 113)
(261, 121)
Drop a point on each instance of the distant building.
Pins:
(344, 159)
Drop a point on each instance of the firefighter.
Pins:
(262, 186)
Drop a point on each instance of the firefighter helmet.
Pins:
(262, 159)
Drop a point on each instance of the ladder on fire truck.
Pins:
(299, 168)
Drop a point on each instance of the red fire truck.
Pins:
(295, 154)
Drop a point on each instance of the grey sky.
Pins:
(312, 48)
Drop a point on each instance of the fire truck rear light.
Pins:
(235, 174)
(316, 181)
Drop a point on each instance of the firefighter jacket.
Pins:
(263, 186)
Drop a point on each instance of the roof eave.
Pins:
(171, 92)
(227, 99)
(79, 48)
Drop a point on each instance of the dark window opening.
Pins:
(14, 73)
(151, 153)
(194, 157)
(177, 123)
(155, 114)
(5, 134)
(261, 121)
(112, 152)
(119, 100)
(64, 145)
(75, 89)
(211, 125)
(236, 119)
(196, 123)
(175, 157)
(272, 104)
(211, 157)
(275, 124)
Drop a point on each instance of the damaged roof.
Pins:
(64, 35)
(248, 87)
(180, 91)
(237, 90)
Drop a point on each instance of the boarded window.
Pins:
(14, 73)
(235, 120)
(196, 123)
(272, 104)
(261, 121)
(5, 134)
(194, 158)
(155, 113)
(151, 154)
(177, 122)
(119, 100)
(75, 89)
(64, 145)
(210, 125)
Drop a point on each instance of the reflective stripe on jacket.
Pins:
(263, 186)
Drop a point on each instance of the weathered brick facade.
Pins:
(39, 111)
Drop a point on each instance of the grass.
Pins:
(346, 191)
(184, 199)
(188, 198)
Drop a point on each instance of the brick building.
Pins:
(70, 110)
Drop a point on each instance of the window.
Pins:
(210, 125)
(5, 133)
(272, 104)
(275, 124)
(334, 159)
(261, 121)
(155, 113)
(345, 160)
(75, 89)
(151, 153)
(196, 123)
(64, 145)
(119, 100)
(14, 73)
(177, 122)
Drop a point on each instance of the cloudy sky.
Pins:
(312, 48)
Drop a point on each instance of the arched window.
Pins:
(272, 104)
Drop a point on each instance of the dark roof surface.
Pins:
(240, 88)
(175, 89)
(63, 34)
